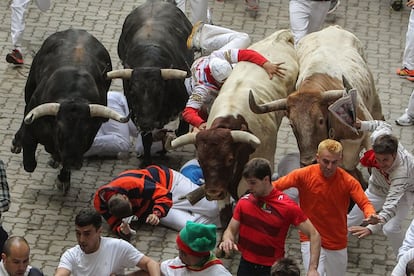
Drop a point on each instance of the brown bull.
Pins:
(234, 133)
(324, 58)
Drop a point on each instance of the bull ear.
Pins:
(181, 141)
(169, 74)
(46, 109)
(268, 107)
(245, 137)
(119, 74)
(97, 110)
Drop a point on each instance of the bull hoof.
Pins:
(63, 186)
(146, 162)
(64, 181)
(16, 147)
(52, 163)
(30, 168)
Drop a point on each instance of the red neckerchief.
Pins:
(210, 78)
(368, 160)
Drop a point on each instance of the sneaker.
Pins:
(210, 16)
(15, 57)
(405, 120)
(404, 72)
(193, 40)
(334, 5)
(410, 78)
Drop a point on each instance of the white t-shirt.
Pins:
(113, 256)
(174, 267)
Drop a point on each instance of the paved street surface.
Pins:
(45, 217)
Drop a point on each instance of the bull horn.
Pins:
(181, 141)
(169, 74)
(119, 74)
(45, 109)
(268, 107)
(245, 137)
(332, 95)
(98, 110)
(346, 83)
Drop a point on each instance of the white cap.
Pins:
(43, 5)
(220, 69)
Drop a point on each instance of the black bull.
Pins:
(65, 97)
(153, 50)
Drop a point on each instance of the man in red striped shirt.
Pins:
(152, 194)
(261, 220)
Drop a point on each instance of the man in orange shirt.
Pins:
(324, 195)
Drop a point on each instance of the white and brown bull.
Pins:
(325, 58)
(234, 133)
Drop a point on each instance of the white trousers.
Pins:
(331, 262)
(393, 228)
(408, 243)
(410, 107)
(307, 16)
(408, 57)
(214, 37)
(198, 9)
(204, 211)
(18, 10)
(113, 137)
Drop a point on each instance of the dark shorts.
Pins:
(247, 268)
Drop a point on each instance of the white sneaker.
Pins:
(334, 5)
(405, 120)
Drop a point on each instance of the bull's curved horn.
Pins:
(245, 137)
(119, 74)
(181, 141)
(332, 95)
(40, 111)
(346, 83)
(169, 74)
(268, 107)
(98, 110)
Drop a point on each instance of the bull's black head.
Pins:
(145, 95)
(74, 132)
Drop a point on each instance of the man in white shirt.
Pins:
(96, 255)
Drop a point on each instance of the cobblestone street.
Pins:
(41, 213)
